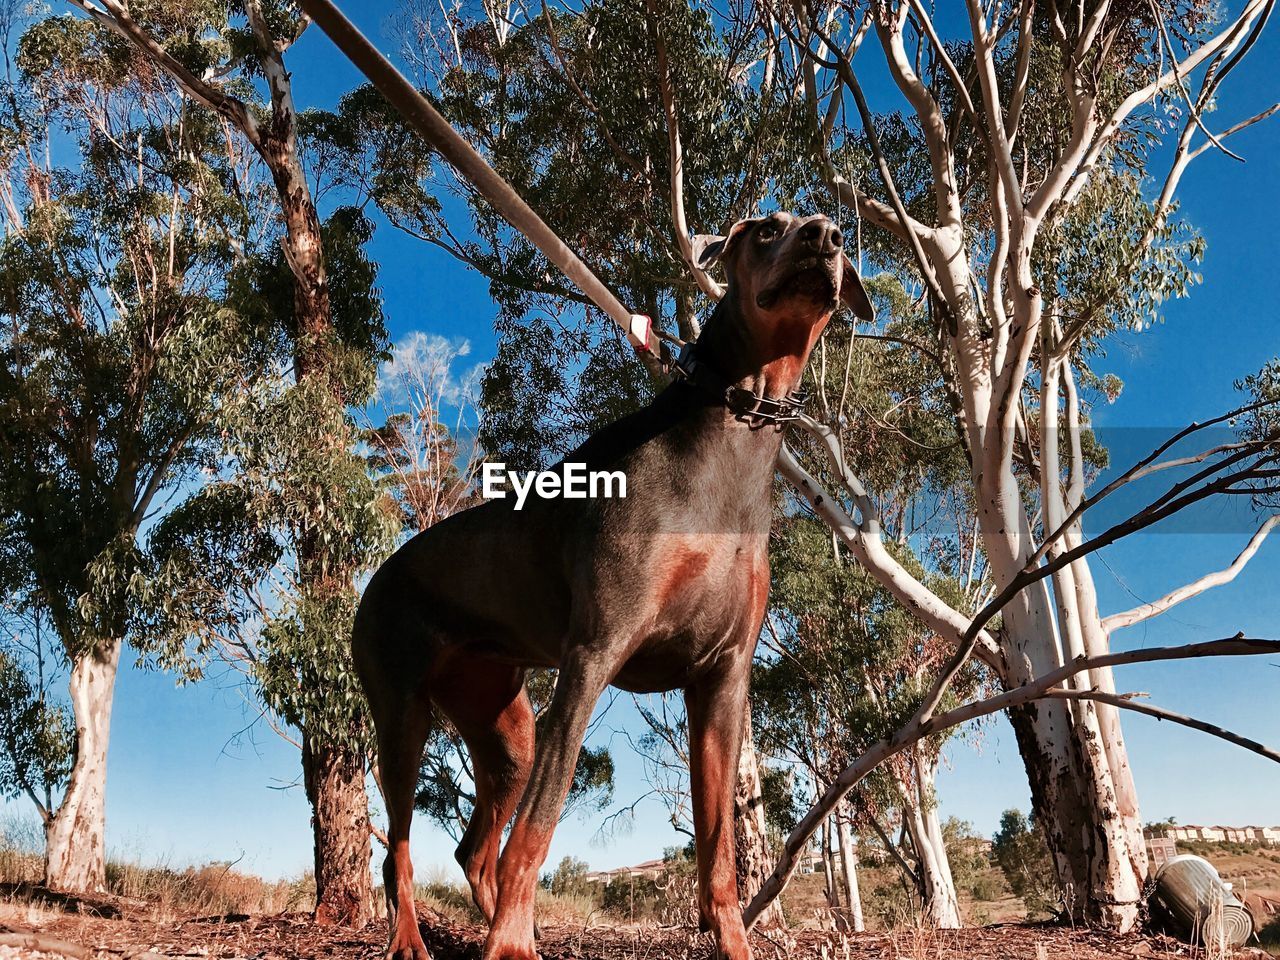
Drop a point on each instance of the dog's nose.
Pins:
(822, 237)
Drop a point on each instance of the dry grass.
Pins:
(172, 892)
(451, 899)
(215, 889)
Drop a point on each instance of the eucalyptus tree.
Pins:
(230, 60)
(37, 731)
(844, 666)
(1011, 186)
(123, 211)
(261, 565)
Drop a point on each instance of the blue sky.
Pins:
(191, 778)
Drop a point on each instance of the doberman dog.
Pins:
(663, 590)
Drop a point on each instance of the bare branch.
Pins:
(1127, 701)
(914, 230)
(116, 17)
(1162, 34)
(1223, 42)
(864, 542)
(917, 729)
(1148, 610)
(846, 194)
(1236, 128)
(1144, 467)
(678, 219)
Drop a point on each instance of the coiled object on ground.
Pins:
(1199, 905)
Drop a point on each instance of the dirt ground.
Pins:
(35, 924)
(123, 931)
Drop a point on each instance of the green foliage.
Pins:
(263, 561)
(970, 866)
(37, 737)
(852, 664)
(263, 289)
(120, 352)
(782, 808)
(569, 877)
(1019, 847)
(156, 329)
(1097, 260)
(560, 370)
(1262, 388)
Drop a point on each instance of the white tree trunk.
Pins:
(849, 863)
(938, 887)
(75, 842)
(1097, 847)
(1073, 791)
(828, 868)
(751, 846)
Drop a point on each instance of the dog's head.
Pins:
(786, 267)
(787, 275)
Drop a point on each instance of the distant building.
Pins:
(649, 870)
(810, 860)
(1264, 836)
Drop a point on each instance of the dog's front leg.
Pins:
(582, 678)
(716, 707)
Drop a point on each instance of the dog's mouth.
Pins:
(813, 279)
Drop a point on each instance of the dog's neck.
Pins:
(767, 359)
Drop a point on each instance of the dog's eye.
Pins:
(767, 232)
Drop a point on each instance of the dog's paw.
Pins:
(411, 952)
(407, 948)
(510, 951)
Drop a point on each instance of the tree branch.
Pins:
(913, 229)
(864, 542)
(1148, 610)
(1147, 466)
(918, 728)
(1127, 701)
(678, 219)
(116, 17)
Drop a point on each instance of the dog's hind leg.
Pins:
(400, 743)
(488, 704)
(394, 673)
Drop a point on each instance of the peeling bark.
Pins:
(828, 868)
(920, 817)
(1097, 849)
(849, 865)
(75, 841)
(334, 780)
(751, 841)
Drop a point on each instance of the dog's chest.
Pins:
(702, 596)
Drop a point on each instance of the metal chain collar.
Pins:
(746, 405)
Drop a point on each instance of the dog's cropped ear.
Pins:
(853, 294)
(709, 248)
